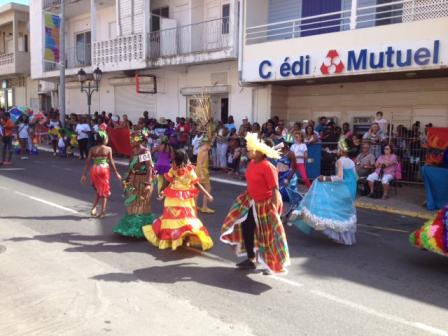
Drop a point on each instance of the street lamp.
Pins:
(89, 89)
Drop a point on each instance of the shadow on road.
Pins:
(221, 277)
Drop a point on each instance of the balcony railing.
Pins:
(76, 57)
(200, 37)
(6, 59)
(118, 50)
(363, 17)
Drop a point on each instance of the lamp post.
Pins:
(89, 89)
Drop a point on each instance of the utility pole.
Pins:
(62, 65)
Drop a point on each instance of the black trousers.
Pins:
(83, 147)
(248, 227)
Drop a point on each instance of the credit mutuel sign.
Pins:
(340, 62)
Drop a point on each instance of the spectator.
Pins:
(234, 154)
(183, 132)
(8, 129)
(300, 151)
(256, 129)
(230, 124)
(346, 131)
(386, 168)
(221, 148)
(269, 129)
(322, 127)
(54, 123)
(62, 143)
(23, 135)
(310, 136)
(196, 143)
(382, 123)
(424, 136)
(365, 161)
(281, 130)
(83, 130)
(125, 123)
(375, 137)
(146, 118)
(355, 146)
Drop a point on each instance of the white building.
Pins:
(185, 47)
(347, 59)
(17, 88)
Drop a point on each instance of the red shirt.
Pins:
(261, 178)
(183, 130)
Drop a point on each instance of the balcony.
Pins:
(77, 57)
(199, 42)
(347, 19)
(121, 53)
(14, 63)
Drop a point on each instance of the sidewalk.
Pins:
(407, 201)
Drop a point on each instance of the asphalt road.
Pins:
(381, 286)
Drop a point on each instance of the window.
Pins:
(83, 49)
(225, 19)
(163, 12)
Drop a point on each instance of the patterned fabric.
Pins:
(100, 177)
(433, 235)
(179, 220)
(270, 239)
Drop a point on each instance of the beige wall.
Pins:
(402, 101)
(279, 101)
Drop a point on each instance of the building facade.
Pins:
(347, 59)
(17, 88)
(156, 55)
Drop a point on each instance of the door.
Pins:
(322, 25)
(83, 49)
(224, 109)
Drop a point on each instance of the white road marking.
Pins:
(373, 312)
(54, 205)
(11, 169)
(221, 180)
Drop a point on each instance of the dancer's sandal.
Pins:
(93, 212)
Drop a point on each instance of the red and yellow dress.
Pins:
(100, 176)
(179, 220)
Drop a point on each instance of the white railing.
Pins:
(346, 19)
(76, 57)
(200, 37)
(121, 49)
(6, 59)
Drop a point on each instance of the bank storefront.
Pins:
(400, 69)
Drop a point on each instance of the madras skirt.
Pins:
(100, 177)
(270, 239)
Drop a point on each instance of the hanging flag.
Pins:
(52, 26)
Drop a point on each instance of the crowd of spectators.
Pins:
(229, 154)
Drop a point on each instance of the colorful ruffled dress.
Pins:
(433, 235)
(179, 221)
(330, 207)
(100, 176)
(270, 242)
(138, 203)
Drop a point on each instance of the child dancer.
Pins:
(179, 223)
(101, 155)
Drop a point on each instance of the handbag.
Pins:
(378, 186)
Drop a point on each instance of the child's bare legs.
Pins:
(205, 208)
(94, 205)
(103, 207)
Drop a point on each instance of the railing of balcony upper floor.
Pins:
(363, 17)
(76, 57)
(6, 59)
(207, 36)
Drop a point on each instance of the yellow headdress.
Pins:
(342, 144)
(256, 145)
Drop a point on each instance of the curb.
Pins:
(396, 211)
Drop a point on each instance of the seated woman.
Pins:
(329, 204)
(365, 161)
(386, 168)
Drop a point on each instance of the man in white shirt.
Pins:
(196, 143)
(381, 122)
(83, 130)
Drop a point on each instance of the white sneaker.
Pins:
(24, 158)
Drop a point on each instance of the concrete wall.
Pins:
(402, 101)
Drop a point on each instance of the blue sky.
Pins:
(25, 2)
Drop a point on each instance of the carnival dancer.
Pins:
(203, 172)
(138, 189)
(179, 223)
(165, 154)
(433, 235)
(101, 154)
(286, 167)
(329, 204)
(253, 226)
